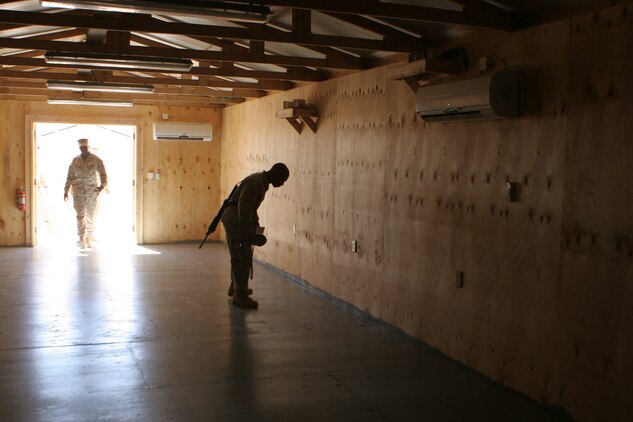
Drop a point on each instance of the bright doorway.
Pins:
(55, 147)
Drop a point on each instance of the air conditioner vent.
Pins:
(184, 132)
(499, 95)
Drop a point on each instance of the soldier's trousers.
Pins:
(241, 261)
(86, 207)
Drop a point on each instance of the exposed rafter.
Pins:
(173, 98)
(264, 84)
(376, 27)
(331, 62)
(291, 73)
(144, 23)
(332, 54)
(479, 17)
(303, 41)
(295, 74)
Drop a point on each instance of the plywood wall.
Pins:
(547, 295)
(178, 207)
(597, 225)
(12, 171)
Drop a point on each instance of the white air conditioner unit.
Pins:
(499, 95)
(168, 131)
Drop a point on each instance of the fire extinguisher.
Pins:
(20, 198)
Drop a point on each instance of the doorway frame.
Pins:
(30, 166)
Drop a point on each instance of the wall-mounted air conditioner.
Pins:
(169, 131)
(499, 95)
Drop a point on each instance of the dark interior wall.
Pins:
(597, 225)
(547, 293)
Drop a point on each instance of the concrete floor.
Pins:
(148, 334)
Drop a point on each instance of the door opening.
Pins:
(55, 147)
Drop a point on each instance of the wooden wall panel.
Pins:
(448, 183)
(180, 206)
(12, 173)
(176, 208)
(428, 200)
(597, 260)
(283, 205)
(315, 179)
(361, 151)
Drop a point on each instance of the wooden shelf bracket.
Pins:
(298, 111)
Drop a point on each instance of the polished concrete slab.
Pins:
(148, 334)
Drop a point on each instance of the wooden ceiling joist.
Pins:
(158, 88)
(241, 60)
(144, 23)
(264, 84)
(471, 16)
(293, 73)
(330, 53)
(330, 62)
(248, 93)
(174, 98)
(151, 102)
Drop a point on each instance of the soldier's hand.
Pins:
(258, 240)
(66, 197)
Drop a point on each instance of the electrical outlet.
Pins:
(459, 280)
(513, 191)
(354, 246)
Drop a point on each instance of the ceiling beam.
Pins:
(249, 93)
(150, 102)
(377, 28)
(174, 98)
(158, 88)
(301, 22)
(330, 53)
(294, 74)
(168, 103)
(499, 20)
(264, 84)
(144, 23)
(332, 62)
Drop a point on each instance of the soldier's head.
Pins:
(278, 174)
(84, 147)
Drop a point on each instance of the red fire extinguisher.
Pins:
(20, 198)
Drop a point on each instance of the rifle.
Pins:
(216, 220)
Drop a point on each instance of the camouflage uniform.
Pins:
(240, 220)
(82, 177)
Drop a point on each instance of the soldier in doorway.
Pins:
(241, 225)
(87, 177)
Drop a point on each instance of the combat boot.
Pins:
(243, 301)
(232, 290)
